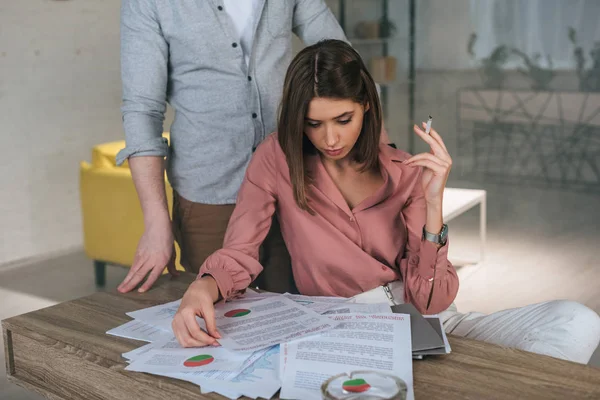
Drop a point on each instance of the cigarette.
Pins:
(428, 126)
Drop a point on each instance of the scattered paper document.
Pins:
(160, 316)
(249, 326)
(318, 304)
(186, 360)
(379, 342)
(359, 308)
(139, 330)
(259, 378)
(167, 344)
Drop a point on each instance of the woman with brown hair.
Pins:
(359, 218)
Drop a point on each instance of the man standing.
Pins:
(221, 65)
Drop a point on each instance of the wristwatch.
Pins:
(439, 238)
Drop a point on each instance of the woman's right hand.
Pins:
(198, 301)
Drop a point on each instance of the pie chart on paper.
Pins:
(356, 386)
(240, 312)
(199, 361)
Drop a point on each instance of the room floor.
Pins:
(541, 245)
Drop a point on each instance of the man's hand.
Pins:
(155, 251)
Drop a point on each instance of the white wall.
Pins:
(60, 94)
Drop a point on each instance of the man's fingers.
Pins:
(134, 277)
(134, 267)
(171, 264)
(156, 272)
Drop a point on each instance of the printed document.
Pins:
(377, 342)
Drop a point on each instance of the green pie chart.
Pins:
(356, 385)
(199, 361)
(240, 312)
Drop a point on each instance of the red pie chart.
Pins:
(199, 361)
(240, 312)
(356, 385)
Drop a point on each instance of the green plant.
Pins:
(387, 28)
(589, 81)
(540, 76)
(491, 71)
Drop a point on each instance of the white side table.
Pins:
(458, 201)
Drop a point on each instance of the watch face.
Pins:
(444, 232)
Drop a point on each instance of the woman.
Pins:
(359, 218)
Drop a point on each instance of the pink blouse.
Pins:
(338, 251)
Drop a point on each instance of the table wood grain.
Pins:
(63, 352)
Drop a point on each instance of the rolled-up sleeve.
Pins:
(430, 280)
(237, 264)
(144, 74)
(313, 21)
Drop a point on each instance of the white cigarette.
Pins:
(428, 126)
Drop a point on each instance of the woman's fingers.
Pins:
(440, 170)
(177, 331)
(435, 146)
(196, 333)
(433, 133)
(183, 335)
(427, 156)
(211, 323)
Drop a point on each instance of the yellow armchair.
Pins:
(112, 217)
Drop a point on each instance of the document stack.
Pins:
(287, 343)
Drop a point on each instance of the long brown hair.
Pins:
(332, 69)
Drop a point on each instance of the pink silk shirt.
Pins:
(338, 251)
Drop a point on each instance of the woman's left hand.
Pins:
(437, 164)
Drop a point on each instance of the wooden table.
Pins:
(63, 352)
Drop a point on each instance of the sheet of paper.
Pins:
(186, 360)
(318, 304)
(159, 316)
(376, 308)
(378, 342)
(165, 344)
(139, 330)
(320, 299)
(249, 326)
(283, 358)
(223, 391)
(258, 378)
(135, 353)
(220, 389)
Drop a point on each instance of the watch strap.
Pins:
(439, 238)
